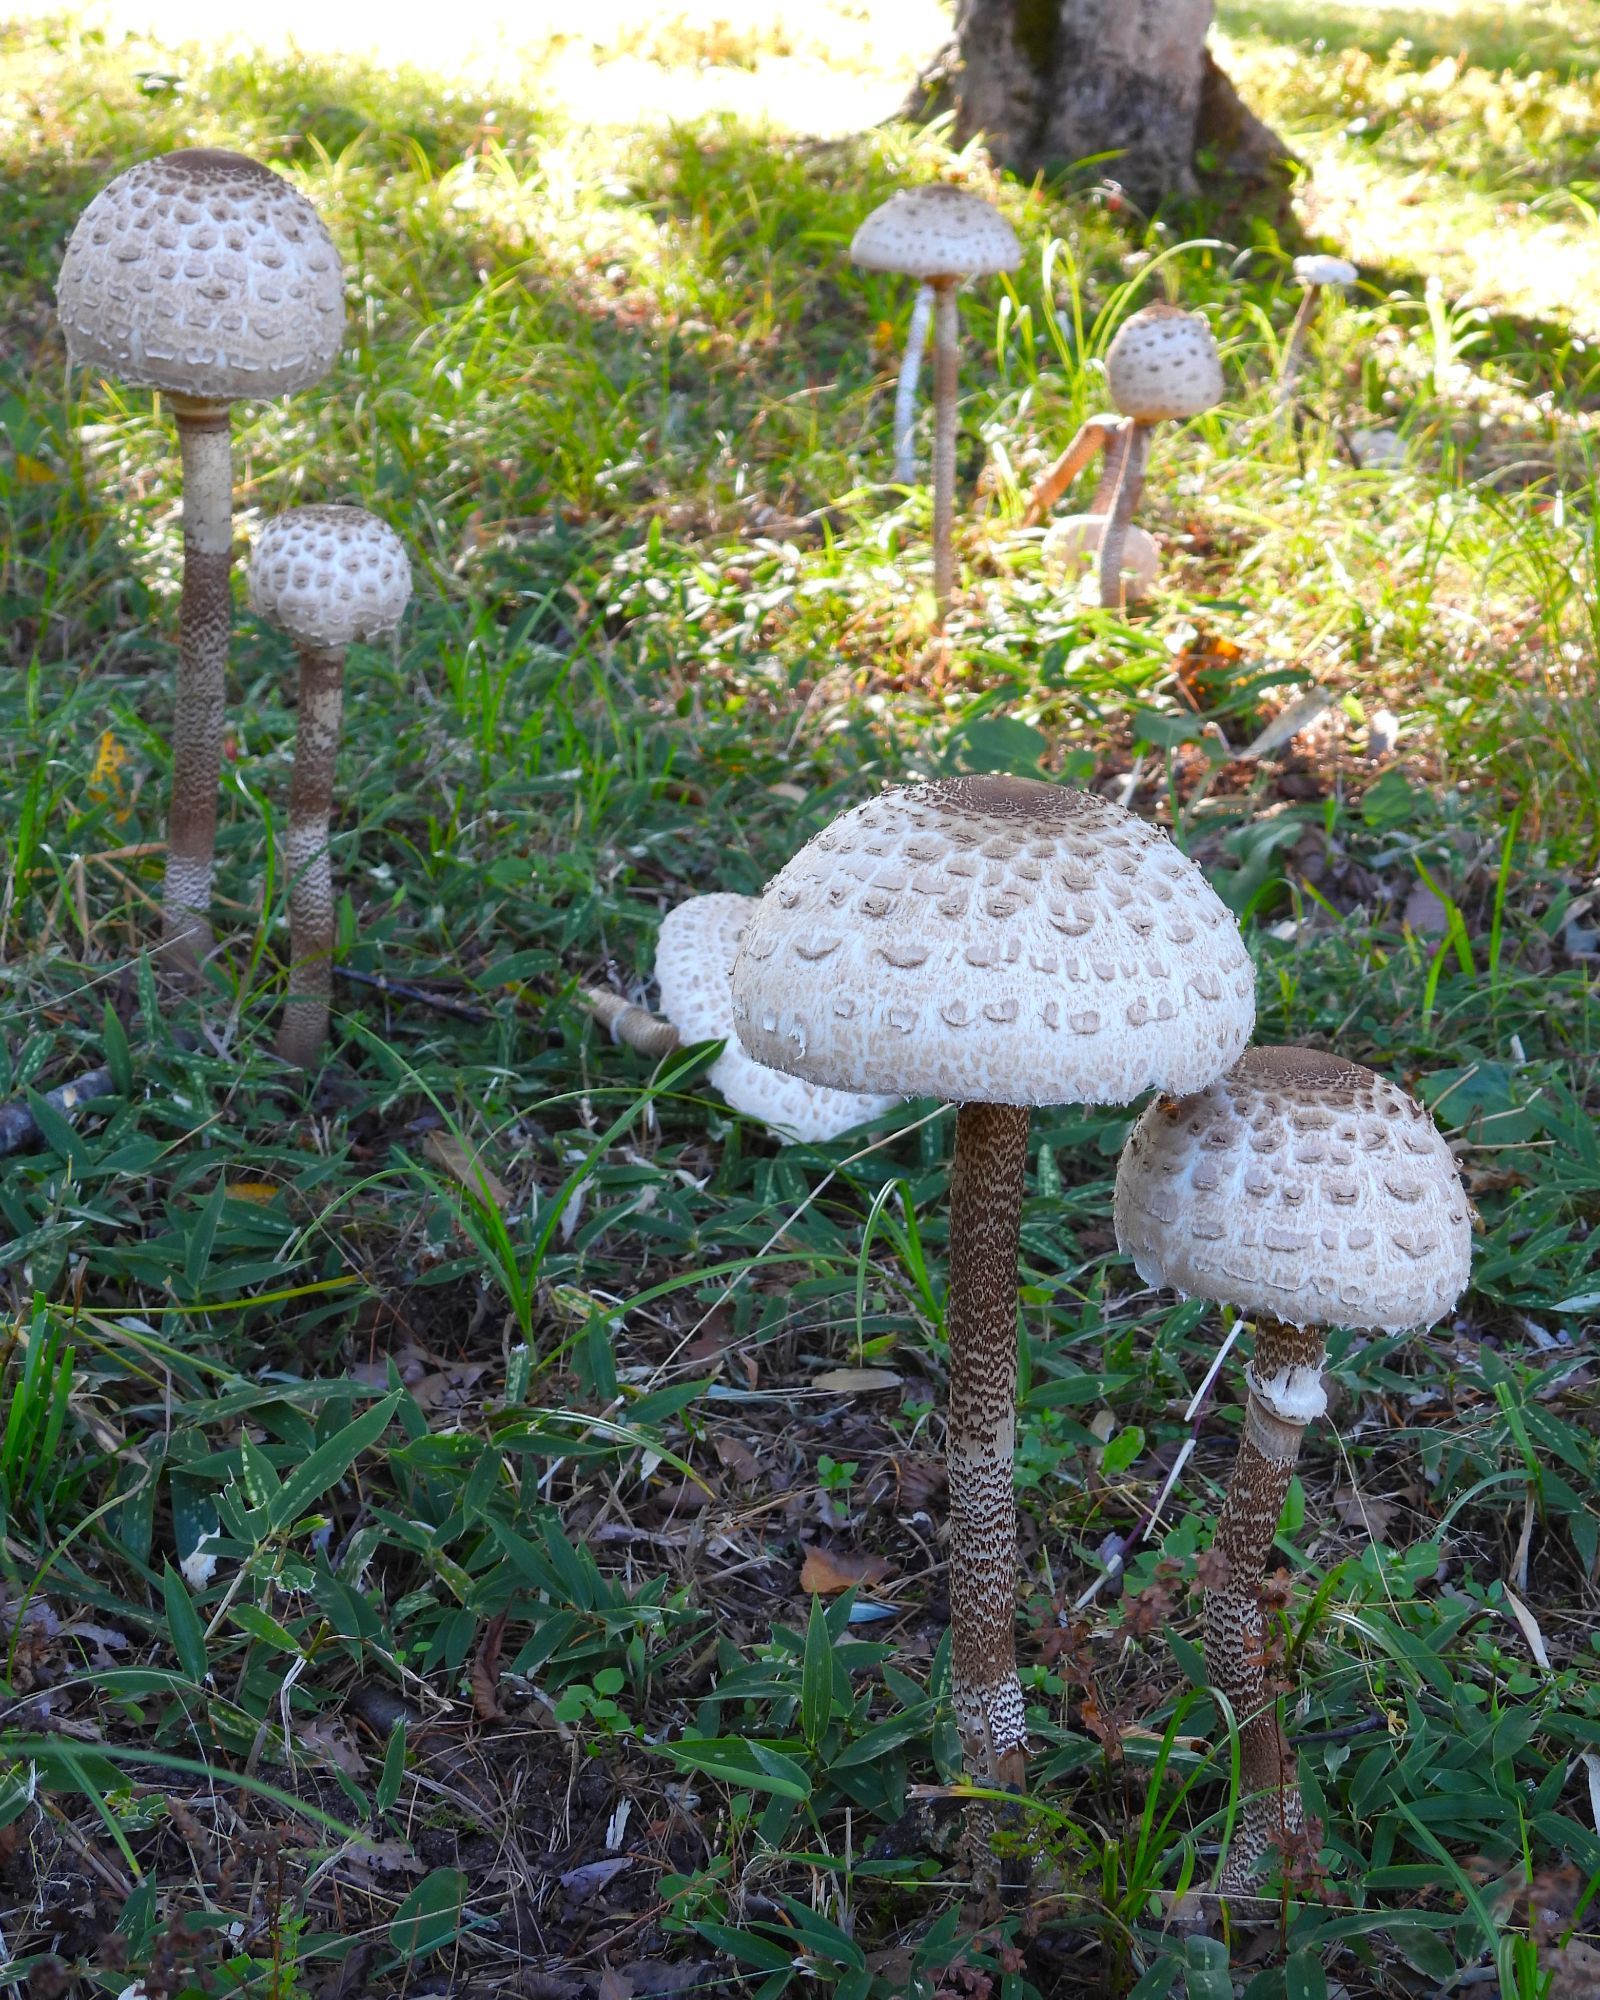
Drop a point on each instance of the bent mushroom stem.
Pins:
(205, 619)
(905, 399)
(1116, 452)
(1234, 1626)
(1094, 434)
(985, 1214)
(635, 1027)
(1130, 484)
(944, 440)
(304, 1027)
(1294, 353)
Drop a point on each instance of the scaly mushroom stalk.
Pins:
(304, 1027)
(905, 399)
(1294, 353)
(1101, 433)
(986, 1179)
(205, 622)
(634, 1027)
(1130, 484)
(945, 372)
(1235, 1637)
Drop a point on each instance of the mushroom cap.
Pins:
(1324, 271)
(937, 231)
(1072, 547)
(1163, 364)
(204, 274)
(994, 940)
(1302, 1186)
(329, 575)
(694, 965)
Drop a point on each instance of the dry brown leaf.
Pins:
(484, 1676)
(1364, 1511)
(613, 1985)
(856, 1381)
(328, 1740)
(828, 1571)
(739, 1458)
(466, 1166)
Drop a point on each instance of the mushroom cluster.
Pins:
(209, 277)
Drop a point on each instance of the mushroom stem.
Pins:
(1287, 1359)
(1105, 492)
(635, 1027)
(981, 1317)
(1094, 434)
(304, 1026)
(1294, 353)
(905, 399)
(205, 618)
(1130, 484)
(944, 440)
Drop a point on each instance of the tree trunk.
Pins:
(1051, 83)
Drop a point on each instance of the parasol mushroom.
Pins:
(209, 277)
(1317, 274)
(1307, 1192)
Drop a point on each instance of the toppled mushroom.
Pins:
(1317, 274)
(1307, 1192)
(327, 577)
(940, 234)
(694, 966)
(1163, 364)
(207, 276)
(999, 943)
(1071, 550)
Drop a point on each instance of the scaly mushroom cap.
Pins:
(1302, 1186)
(329, 576)
(937, 231)
(1324, 271)
(203, 274)
(994, 940)
(1163, 364)
(694, 967)
(1072, 548)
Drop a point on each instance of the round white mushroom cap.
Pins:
(1163, 364)
(994, 940)
(1301, 1186)
(1324, 271)
(1071, 549)
(694, 968)
(329, 576)
(203, 274)
(937, 231)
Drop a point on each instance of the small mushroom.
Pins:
(327, 577)
(940, 234)
(209, 277)
(999, 943)
(1162, 364)
(1317, 274)
(695, 951)
(1307, 1192)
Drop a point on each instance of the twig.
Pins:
(19, 1129)
(397, 989)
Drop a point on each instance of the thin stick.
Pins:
(399, 990)
(945, 371)
(905, 400)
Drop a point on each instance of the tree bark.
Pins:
(1051, 83)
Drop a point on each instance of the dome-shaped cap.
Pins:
(1324, 271)
(1163, 364)
(694, 967)
(1302, 1186)
(937, 231)
(203, 274)
(329, 576)
(1071, 549)
(994, 940)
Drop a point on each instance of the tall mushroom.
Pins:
(695, 951)
(940, 235)
(207, 276)
(1308, 1192)
(326, 576)
(1162, 364)
(1317, 274)
(999, 943)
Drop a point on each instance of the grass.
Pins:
(406, 1491)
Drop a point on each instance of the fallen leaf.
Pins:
(1530, 1629)
(459, 1160)
(484, 1675)
(827, 1571)
(366, 1860)
(580, 1884)
(1288, 723)
(856, 1381)
(613, 1985)
(260, 1192)
(739, 1458)
(329, 1741)
(1362, 1510)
